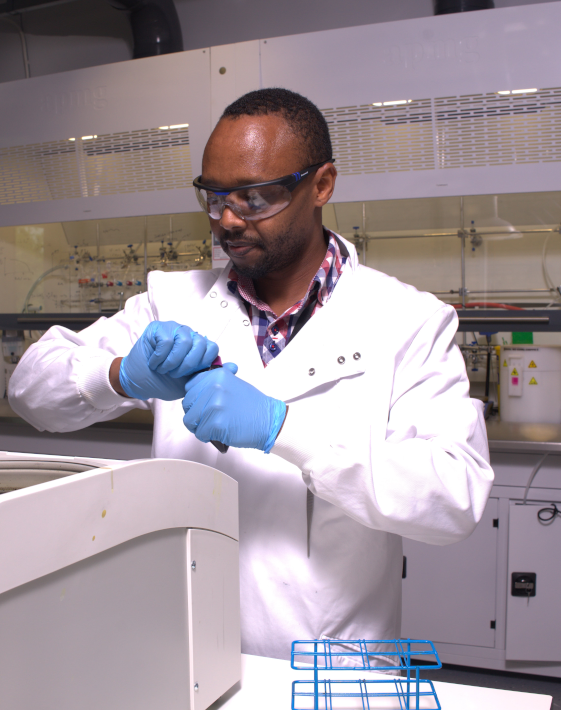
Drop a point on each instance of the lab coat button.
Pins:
(246, 322)
(224, 304)
(311, 371)
(341, 360)
(213, 294)
(356, 356)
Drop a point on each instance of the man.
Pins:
(350, 379)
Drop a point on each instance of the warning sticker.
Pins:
(533, 381)
(505, 364)
(514, 373)
(532, 364)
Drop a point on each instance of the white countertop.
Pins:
(267, 685)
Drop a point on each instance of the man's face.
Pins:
(253, 149)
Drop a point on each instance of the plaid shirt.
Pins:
(273, 332)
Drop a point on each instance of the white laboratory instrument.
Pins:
(530, 379)
(119, 584)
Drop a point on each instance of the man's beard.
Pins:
(286, 249)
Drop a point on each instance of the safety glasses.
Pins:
(249, 202)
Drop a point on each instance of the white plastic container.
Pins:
(530, 379)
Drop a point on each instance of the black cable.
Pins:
(548, 515)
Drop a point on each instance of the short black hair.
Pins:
(303, 117)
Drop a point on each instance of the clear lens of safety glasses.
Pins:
(257, 201)
(252, 203)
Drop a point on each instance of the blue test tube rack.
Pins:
(395, 655)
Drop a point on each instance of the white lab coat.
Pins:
(380, 428)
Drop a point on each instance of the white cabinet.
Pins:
(460, 596)
(449, 592)
(534, 622)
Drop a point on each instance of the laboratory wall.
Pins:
(433, 264)
(74, 35)
(95, 265)
(512, 247)
(25, 253)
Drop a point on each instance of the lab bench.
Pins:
(508, 437)
(138, 419)
(267, 682)
(127, 437)
(504, 437)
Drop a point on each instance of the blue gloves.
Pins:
(220, 407)
(162, 359)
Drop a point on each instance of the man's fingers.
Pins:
(197, 399)
(162, 348)
(202, 355)
(210, 355)
(183, 341)
(191, 359)
(161, 337)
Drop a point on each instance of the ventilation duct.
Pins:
(155, 26)
(447, 7)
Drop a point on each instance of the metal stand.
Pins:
(366, 693)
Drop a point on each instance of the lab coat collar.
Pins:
(328, 348)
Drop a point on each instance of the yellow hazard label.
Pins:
(505, 364)
(532, 364)
(514, 373)
(533, 381)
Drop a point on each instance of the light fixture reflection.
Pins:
(393, 103)
(496, 229)
(517, 91)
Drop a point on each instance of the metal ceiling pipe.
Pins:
(447, 7)
(155, 26)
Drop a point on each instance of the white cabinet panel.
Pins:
(214, 615)
(234, 71)
(92, 142)
(398, 97)
(449, 592)
(106, 632)
(533, 630)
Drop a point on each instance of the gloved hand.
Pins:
(162, 359)
(221, 407)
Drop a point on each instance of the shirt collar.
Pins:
(326, 277)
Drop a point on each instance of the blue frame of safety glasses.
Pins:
(288, 181)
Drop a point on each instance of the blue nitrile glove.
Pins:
(162, 359)
(221, 407)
